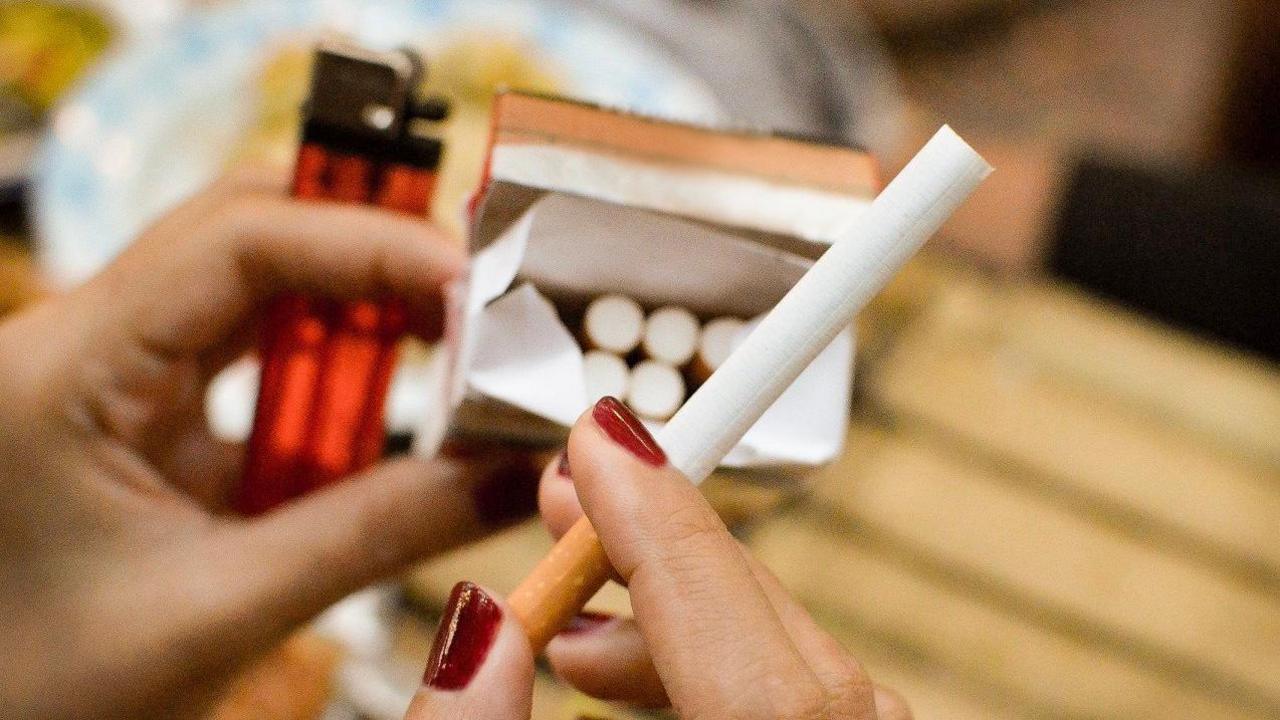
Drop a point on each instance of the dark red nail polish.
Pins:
(585, 622)
(563, 468)
(470, 623)
(626, 429)
(508, 494)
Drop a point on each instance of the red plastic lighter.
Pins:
(327, 364)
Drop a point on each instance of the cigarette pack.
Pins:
(580, 201)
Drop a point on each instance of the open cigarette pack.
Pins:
(581, 202)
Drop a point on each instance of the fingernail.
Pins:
(587, 622)
(624, 428)
(508, 494)
(563, 468)
(466, 633)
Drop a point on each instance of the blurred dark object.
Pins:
(1173, 102)
(1142, 78)
(1196, 246)
(909, 23)
(1200, 250)
(1250, 132)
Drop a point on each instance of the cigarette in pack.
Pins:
(820, 305)
(670, 335)
(614, 324)
(606, 374)
(714, 346)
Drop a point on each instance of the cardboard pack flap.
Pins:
(788, 192)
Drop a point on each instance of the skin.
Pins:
(714, 635)
(126, 590)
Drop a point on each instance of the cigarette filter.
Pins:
(823, 302)
(714, 346)
(613, 323)
(670, 335)
(606, 374)
(656, 390)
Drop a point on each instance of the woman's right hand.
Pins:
(714, 633)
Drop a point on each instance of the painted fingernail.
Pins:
(587, 622)
(508, 494)
(625, 428)
(470, 623)
(563, 468)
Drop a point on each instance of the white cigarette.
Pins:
(670, 335)
(656, 390)
(804, 322)
(605, 374)
(715, 345)
(613, 323)
(823, 303)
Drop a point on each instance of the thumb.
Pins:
(480, 665)
(290, 564)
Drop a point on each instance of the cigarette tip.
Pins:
(949, 141)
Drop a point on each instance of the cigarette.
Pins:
(656, 391)
(821, 305)
(670, 335)
(613, 323)
(605, 374)
(714, 346)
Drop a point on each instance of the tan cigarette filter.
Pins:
(656, 390)
(561, 584)
(670, 335)
(613, 323)
(714, 346)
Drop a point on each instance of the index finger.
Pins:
(716, 641)
(194, 278)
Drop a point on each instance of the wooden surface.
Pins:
(1047, 507)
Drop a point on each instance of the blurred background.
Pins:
(1061, 492)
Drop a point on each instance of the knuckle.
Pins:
(850, 695)
(688, 526)
(849, 688)
(685, 540)
(802, 701)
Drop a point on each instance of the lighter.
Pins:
(326, 363)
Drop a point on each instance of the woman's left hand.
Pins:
(126, 589)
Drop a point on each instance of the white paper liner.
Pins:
(519, 352)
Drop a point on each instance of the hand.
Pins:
(714, 632)
(125, 588)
